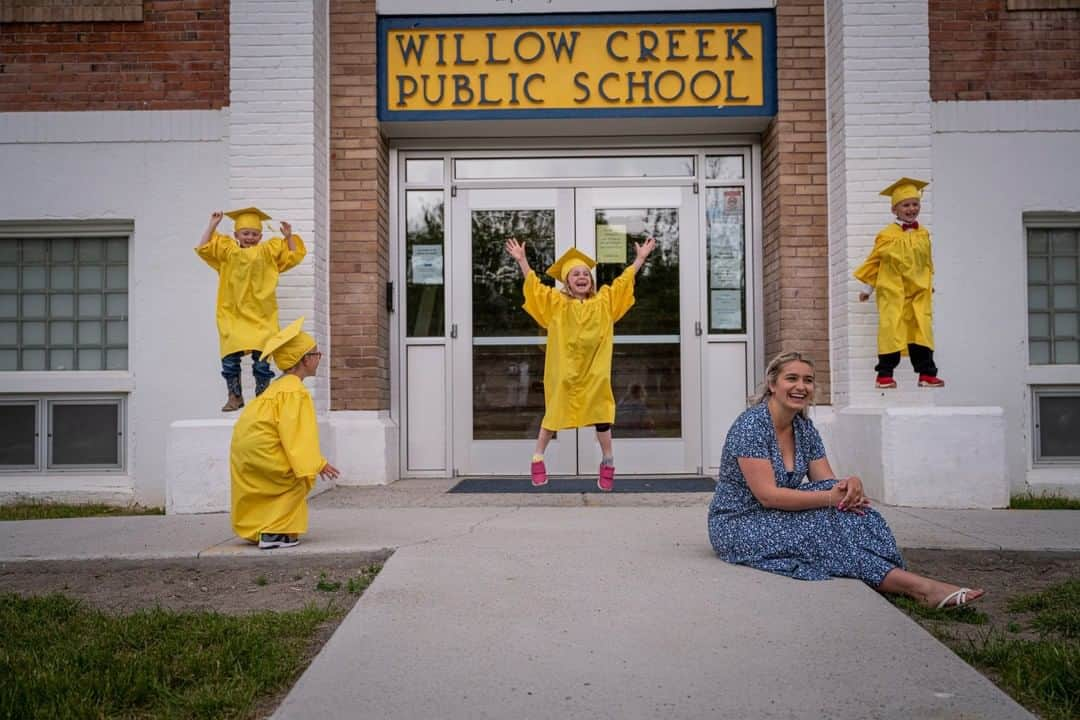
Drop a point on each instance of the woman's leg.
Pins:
(926, 591)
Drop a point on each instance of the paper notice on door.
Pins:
(427, 265)
(611, 244)
(725, 310)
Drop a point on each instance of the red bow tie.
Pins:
(910, 225)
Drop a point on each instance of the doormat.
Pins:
(586, 484)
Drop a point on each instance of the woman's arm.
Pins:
(762, 483)
(853, 498)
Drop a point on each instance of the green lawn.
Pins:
(61, 659)
(1042, 672)
(1043, 502)
(48, 511)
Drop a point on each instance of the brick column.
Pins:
(359, 255)
(794, 208)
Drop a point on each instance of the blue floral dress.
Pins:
(804, 544)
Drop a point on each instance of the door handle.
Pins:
(697, 328)
(453, 330)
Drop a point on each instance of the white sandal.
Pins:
(961, 597)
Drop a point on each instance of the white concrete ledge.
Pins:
(197, 466)
(934, 457)
(365, 447)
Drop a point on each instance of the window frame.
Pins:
(43, 446)
(1045, 221)
(1037, 393)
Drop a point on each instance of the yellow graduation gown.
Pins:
(577, 363)
(900, 268)
(247, 310)
(273, 461)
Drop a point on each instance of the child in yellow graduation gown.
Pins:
(580, 323)
(900, 269)
(275, 454)
(247, 310)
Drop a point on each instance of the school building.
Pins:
(406, 140)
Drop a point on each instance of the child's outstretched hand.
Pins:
(864, 296)
(286, 230)
(215, 218)
(643, 249)
(516, 249)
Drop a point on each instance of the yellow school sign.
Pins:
(712, 64)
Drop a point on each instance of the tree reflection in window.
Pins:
(425, 299)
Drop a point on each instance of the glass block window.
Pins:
(1057, 425)
(1053, 303)
(64, 303)
(51, 433)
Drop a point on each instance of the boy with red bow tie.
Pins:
(900, 269)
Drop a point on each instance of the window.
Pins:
(1053, 306)
(57, 433)
(63, 299)
(726, 250)
(1057, 425)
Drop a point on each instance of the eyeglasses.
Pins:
(313, 354)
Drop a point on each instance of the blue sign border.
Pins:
(766, 18)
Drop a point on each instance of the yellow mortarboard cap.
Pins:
(904, 189)
(569, 259)
(289, 344)
(249, 218)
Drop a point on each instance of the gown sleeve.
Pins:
(217, 251)
(541, 301)
(283, 257)
(299, 433)
(868, 271)
(622, 293)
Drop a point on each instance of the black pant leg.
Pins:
(922, 359)
(887, 363)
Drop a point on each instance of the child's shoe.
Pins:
(931, 381)
(269, 541)
(606, 480)
(539, 473)
(885, 383)
(235, 402)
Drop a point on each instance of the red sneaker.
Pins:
(539, 473)
(606, 480)
(931, 381)
(885, 383)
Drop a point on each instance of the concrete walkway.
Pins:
(565, 609)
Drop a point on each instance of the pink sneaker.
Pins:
(539, 473)
(606, 481)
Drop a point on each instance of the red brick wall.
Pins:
(177, 58)
(981, 51)
(359, 216)
(795, 263)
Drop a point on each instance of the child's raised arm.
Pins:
(642, 250)
(517, 251)
(286, 232)
(215, 218)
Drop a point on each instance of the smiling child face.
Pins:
(579, 281)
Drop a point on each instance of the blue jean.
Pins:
(230, 370)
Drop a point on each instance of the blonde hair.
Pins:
(772, 372)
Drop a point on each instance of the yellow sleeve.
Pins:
(868, 271)
(284, 258)
(541, 300)
(218, 250)
(299, 433)
(621, 293)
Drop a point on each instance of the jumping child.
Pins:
(900, 269)
(247, 309)
(580, 323)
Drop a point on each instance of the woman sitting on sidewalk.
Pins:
(764, 516)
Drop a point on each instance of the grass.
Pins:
(1043, 502)
(49, 511)
(1043, 673)
(61, 659)
(966, 614)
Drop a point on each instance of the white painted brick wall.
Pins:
(878, 92)
(277, 148)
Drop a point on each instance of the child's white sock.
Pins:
(608, 460)
(538, 458)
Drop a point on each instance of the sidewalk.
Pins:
(583, 611)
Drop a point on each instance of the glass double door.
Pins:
(498, 349)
